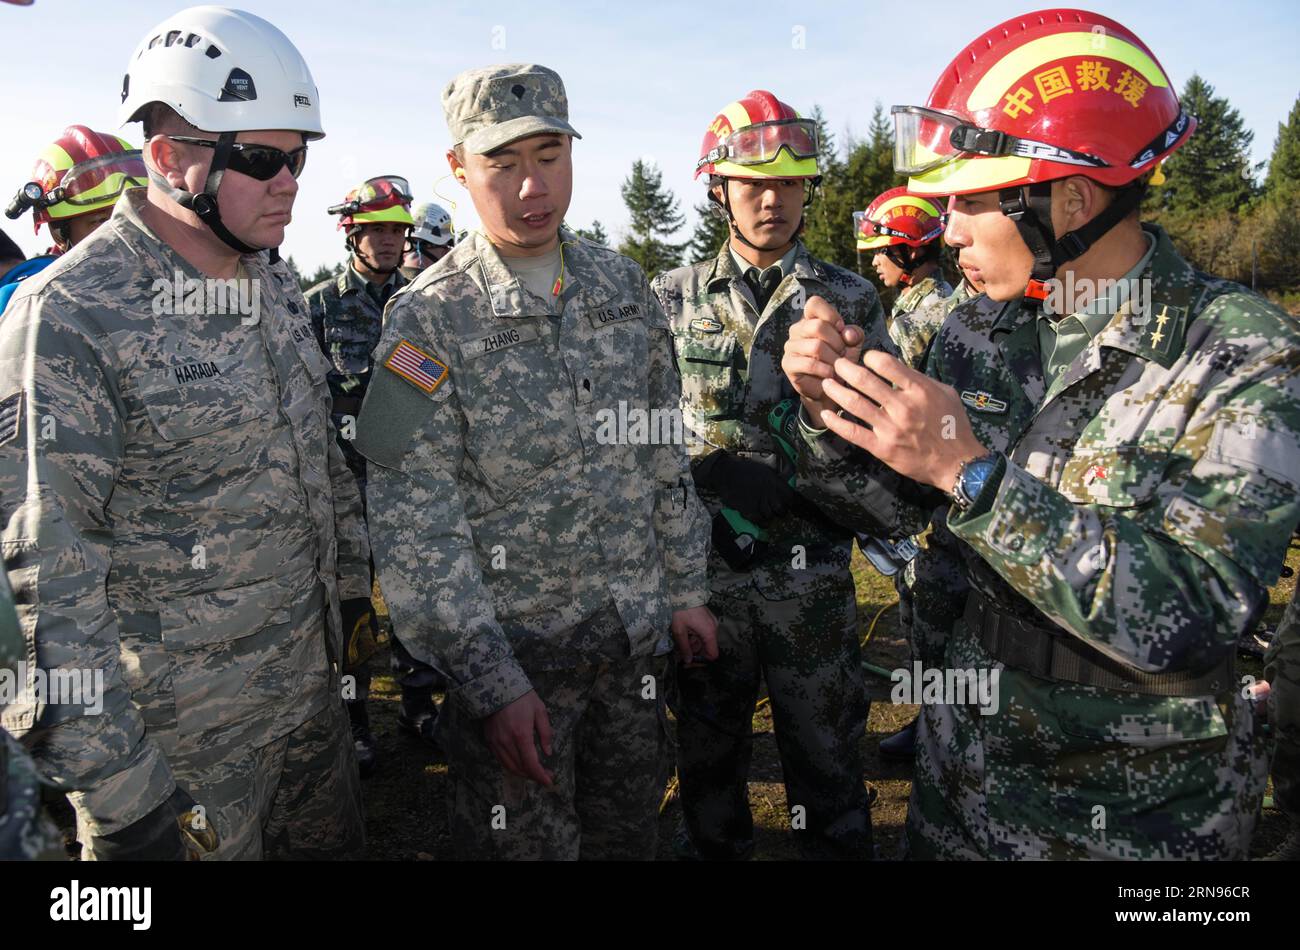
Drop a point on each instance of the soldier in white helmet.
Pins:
(177, 515)
(430, 241)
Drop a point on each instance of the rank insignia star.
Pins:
(982, 401)
(1159, 339)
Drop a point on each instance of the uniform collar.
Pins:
(350, 280)
(142, 239)
(1156, 329)
(915, 293)
(801, 264)
(585, 280)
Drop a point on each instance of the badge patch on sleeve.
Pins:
(417, 367)
(11, 417)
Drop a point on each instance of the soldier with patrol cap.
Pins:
(430, 240)
(347, 311)
(779, 571)
(177, 516)
(532, 545)
(1121, 463)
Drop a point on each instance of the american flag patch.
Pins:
(417, 367)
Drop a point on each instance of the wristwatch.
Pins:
(971, 478)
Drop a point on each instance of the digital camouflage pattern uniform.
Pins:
(522, 544)
(178, 515)
(1143, 505)
(917, 315)
(1282, 670)
(792, 619)
(26, 833)
(347, 314)
(932, 586)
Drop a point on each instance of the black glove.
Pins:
(758, 492)
(171, 832)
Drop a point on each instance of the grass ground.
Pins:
(407, 820)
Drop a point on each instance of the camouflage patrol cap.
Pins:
(493, 106)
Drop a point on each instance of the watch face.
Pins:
(976, 474)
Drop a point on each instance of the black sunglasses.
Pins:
(262, 162)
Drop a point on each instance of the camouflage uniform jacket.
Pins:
(25, 831)
(174, 503)
(505, 506)
(964, 291)
(729, 357)
(1143, 505)
(347, 320)
(918, 313)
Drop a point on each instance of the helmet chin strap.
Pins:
(356, 252)
(905, 260)
(735, 228)
(204, 204)
(1030, 207)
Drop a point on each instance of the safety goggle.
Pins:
(376, 194)
(760, 143)
(87, 183)
(925, 139)
(869, 228)
(262, 162)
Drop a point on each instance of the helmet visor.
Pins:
(759, 144)
(102, 178)
(383, 192)
(923, 139)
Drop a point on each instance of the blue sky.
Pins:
(644, 80)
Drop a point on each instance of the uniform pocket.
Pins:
(232, 654)
(210, 619)
(1124, 476)
(710, 382)
(196, 410)
(520, 416)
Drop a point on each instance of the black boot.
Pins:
(901, 746)
(1289, 849)
(363, 740)
(419, 715)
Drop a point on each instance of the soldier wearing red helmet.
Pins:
(75, 183)
(902, 233)
(347, 313)
(1119, 446)
(779, 571)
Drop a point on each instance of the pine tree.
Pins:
(710, 234)
(656, 215)
(1284, 166)
(826, 154)
(849, 186)
(595, 233)
(1212, 171)
(293, 269)
(324, 272)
